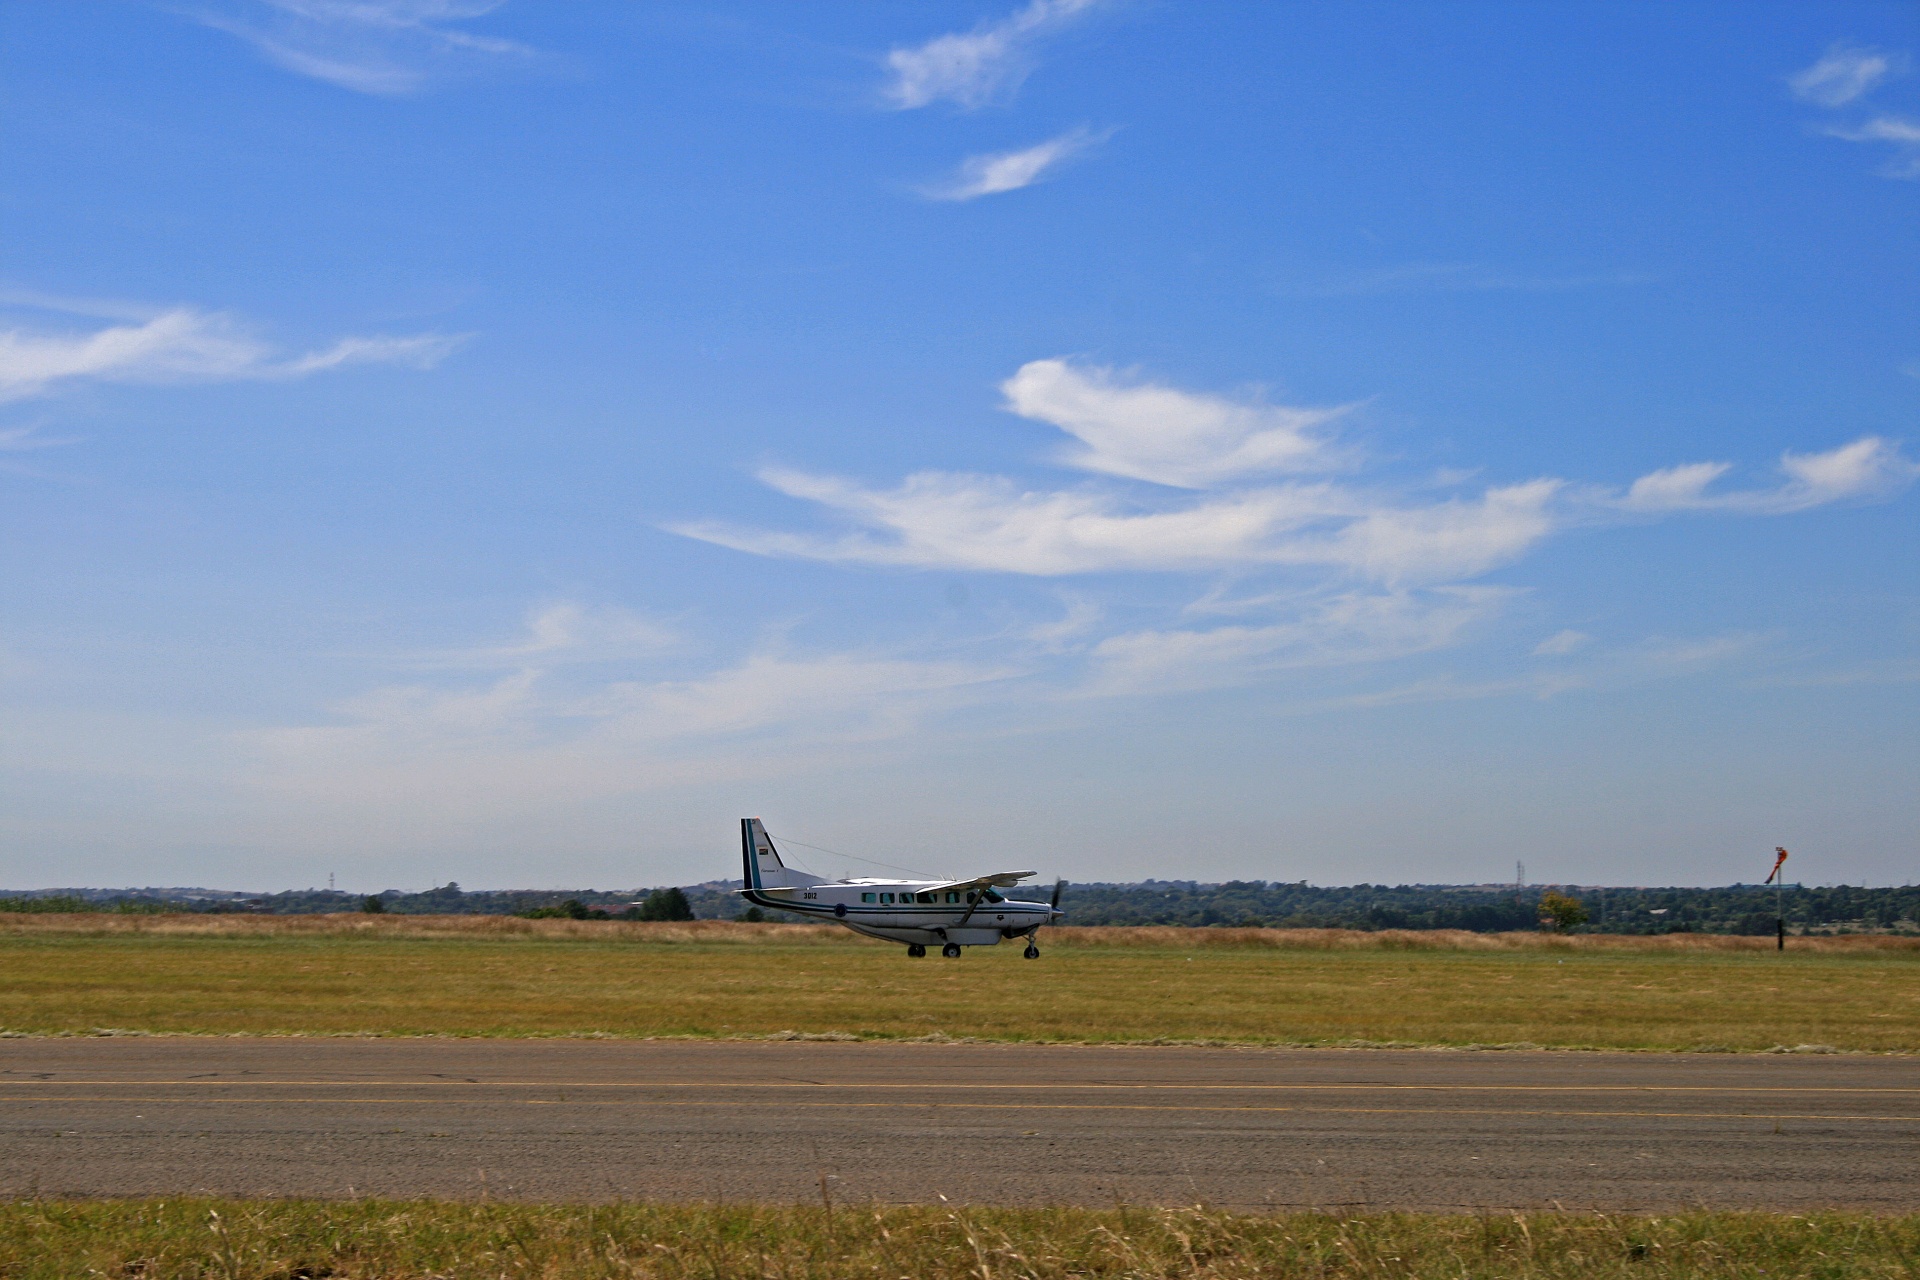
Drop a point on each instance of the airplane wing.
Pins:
(999, 879)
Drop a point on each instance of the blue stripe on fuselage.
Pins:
(827, 909)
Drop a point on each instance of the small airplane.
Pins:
(920, 913)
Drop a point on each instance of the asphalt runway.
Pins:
(992, 1124)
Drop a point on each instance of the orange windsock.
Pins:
(1778, 862)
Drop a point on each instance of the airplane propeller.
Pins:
(1059, 887)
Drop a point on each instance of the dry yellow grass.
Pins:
(400, 1240)
(1462, 940)
(357, 925)
(480, 976)
(1157, 937)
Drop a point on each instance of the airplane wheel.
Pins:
(916, 950)
(1032, 952)
(951, 951)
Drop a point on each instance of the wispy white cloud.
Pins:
(976, 67)
(17, 442)
(1412, 541)
(1375, 533)
(499, 730)
(1899, 132)
(1844, 73)
(477, 746)
(987, 523)
(532, 691)
(1342, 567)
(1695, 652)
(381, 47)
(1638, 664)
(26, 439)
(1870, 467)
(65, 304)
(984, 523)
(1073, 626)
(1149, 431)
(1561, 644)
(939, 520)
(563, 633)
(838, 695)
(185, 345)
(585, 704)
(1344, 630)
(1003, 171)
(530, 738)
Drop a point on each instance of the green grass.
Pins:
(304, 1240)
(511, 978)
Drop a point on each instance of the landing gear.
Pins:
(1032, 952)
(915, 950)
(951, 951)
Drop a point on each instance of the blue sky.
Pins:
(1375, 442)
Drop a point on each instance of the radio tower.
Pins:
(1519, 875)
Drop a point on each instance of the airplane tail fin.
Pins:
(762, 868)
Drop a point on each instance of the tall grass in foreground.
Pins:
(394, 1240)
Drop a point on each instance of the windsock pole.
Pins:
(1779, 883)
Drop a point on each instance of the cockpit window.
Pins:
(924, 897)
(994, 897)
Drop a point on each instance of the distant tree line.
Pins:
(448, 899)
(68, 901)
(661, 904)
(1738, 909)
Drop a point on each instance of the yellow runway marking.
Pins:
(938, 1086)
(1341, 1111)
(1006, 1106)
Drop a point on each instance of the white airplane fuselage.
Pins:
(919, 913)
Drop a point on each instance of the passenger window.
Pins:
(866, 897)
(953, 897)
(886, 897)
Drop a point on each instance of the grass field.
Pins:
(303, 1240)
(478, 976)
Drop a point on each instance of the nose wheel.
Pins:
(1032, 952)
(951, 951)
(915, 950)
